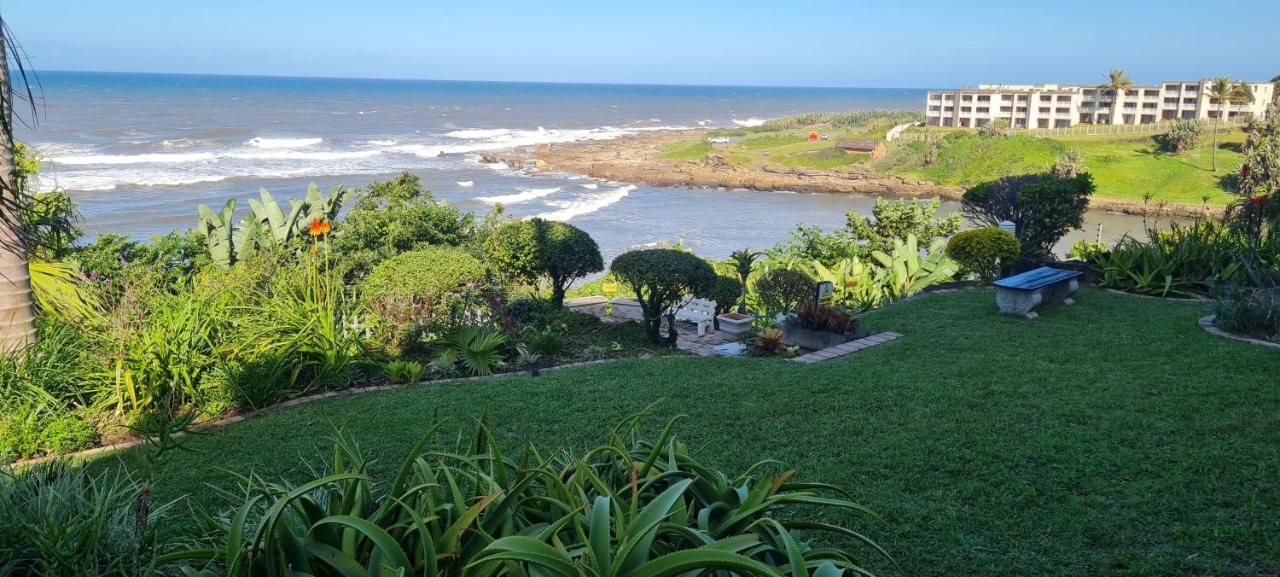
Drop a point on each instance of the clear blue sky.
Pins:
(887, 43)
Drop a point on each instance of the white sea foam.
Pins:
(466, 183)
(525, 195)
(381, 142)
(587, 204)
(748, 122)
(591, 186)
(261, 142)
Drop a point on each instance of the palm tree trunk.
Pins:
(1218, 123)
(17, 315)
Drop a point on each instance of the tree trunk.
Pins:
(1214, 153)
(17, 316)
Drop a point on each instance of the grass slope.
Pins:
(1112, 437)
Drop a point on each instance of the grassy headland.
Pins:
(1126, 168)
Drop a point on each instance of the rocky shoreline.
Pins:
(635, 159)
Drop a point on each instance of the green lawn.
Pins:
(1124, 167)
(1114, 437)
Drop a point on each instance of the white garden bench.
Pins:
(700, 312)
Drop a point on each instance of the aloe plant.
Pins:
(904, 272)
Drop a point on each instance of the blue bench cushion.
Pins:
(1037, 279)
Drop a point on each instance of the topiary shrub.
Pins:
(782, 290)
(725, 291)
(425, 292)
(535, 249)
(981, 250)
(660, 277)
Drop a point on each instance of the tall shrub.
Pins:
(425, 293)
(981, 251)
(534, 250)
(660, 278)
(1042, 208)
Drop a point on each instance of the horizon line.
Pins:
(477, 81)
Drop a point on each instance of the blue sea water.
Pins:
(141, 151)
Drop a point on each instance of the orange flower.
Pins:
(320, 227)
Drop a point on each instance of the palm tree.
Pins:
(17, 315)
(1226, 92)
(1117, 83)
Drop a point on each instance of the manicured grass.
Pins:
(693, 150)
(1111, 437)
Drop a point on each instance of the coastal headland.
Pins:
(1131, 175)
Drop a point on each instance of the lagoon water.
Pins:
(140, 151)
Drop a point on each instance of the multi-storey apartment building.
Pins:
(1062, 106)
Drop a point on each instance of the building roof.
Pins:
(858, 145)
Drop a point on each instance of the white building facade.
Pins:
(1063, 106)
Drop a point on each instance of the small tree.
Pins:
(1041, 207)
(726, 292)
(782, 290)
(536, 249)
(660, 278)
(981, 251)
(743, 261)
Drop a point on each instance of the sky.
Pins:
(888, 43)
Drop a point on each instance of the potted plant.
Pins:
(735, 324)
(816, 328)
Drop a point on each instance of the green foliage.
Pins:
(396, 216)
(61, 520)
(782, 290)
(421, 294)
(660, 277)
(860, 120)
(534, 249)
(981, 251)
(1087, 251)
(1182, 136)
(1249, 311)
(1043, 208)
(1184, 261)
(478, 350)
(826, 319)
(890, 220)
(405, 372)
(268, 225)
(725, 291)
(473, 510)
(994, 129)
(1068, 165)
(904, 272)
(549, 341)
(66, 434)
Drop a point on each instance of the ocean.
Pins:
(139, 152)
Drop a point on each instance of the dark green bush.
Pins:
(725, 291)
(981, 251)
(392, 217)
(1043, 208)
(660, 277)
(1250, 312)
(432, 289)
(782, 290)
(535, 249)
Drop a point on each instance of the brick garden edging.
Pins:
(1206, 323)
(847, 348)
(245, 415)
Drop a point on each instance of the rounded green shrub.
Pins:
(534, 249)
(725, 291)
(425, 275)
(981, 250)
(19, 437)
(782, 290)
(429, 290)
(659, 277)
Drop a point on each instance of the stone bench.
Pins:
(1020, 294)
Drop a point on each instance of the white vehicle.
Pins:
(719, 140)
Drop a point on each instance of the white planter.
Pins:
(735, 325)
